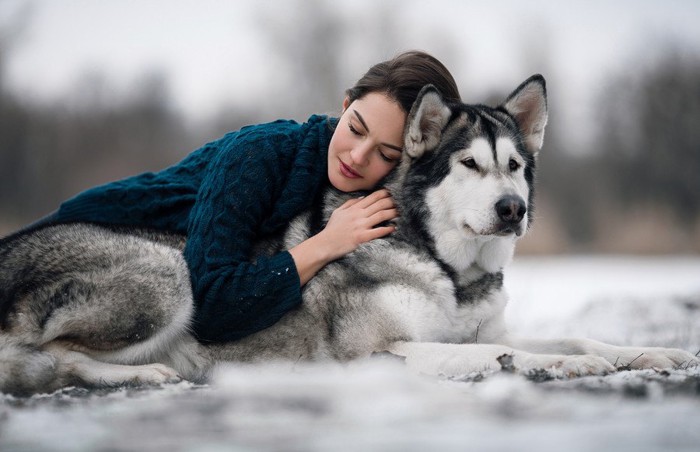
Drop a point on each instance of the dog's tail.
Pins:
(24, 368)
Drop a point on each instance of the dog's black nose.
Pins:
(511, 209)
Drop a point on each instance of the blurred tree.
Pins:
(318, 51)
(304, 42)
(570, 183)
(562, 170)
(650, 143)
(50, 152)
(108, 135)
(14, 119)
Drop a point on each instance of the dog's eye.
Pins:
(513, 165)
(470, 163)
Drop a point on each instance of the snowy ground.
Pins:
(378, 405)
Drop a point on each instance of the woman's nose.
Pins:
(360, 154)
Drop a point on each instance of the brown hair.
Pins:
(402, 78)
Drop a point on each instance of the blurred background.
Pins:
(92, 91)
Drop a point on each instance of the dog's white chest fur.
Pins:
(433, 313)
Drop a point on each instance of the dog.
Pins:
(82, 304)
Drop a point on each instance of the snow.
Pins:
(621, 300)
(377, 405)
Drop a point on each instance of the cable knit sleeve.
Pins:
(245, 187)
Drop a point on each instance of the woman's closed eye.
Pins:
(387, 158)
(354, 130)
(385, 155)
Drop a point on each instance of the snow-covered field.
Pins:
(378, 405)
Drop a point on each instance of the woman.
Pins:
(252, 182)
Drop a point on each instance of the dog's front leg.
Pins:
(625, 357)
(75, 367)
(453, 360)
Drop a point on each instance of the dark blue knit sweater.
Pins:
(224, 196)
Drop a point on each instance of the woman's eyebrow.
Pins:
(364, 124)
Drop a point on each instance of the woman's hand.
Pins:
(350, 225)
(355, 222)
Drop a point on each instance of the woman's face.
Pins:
(367, 142)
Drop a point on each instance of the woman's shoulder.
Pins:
(281, 128)
(276, 142)
(275, 136)
(268, 132)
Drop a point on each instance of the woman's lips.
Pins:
(348, 172)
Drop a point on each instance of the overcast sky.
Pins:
(202, 45)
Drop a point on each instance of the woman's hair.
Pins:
(402, 78)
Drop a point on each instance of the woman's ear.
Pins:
(346, 103)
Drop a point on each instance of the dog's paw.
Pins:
(148, 374)
(630, 358)
(583, 365)
(569, 365)
(156, 374)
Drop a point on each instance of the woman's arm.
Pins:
(263, 176)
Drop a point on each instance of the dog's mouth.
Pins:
(499, 230)
(510, 230)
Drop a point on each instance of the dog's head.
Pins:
(468, 172)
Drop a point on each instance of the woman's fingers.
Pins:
(379, 232)
(381, 205)
(382, 216)
(349, 203)
(372, 198)
(376, 202)
(376, 208)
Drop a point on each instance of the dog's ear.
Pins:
(528, 105)
(428, 116)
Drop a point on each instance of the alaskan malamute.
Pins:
(87, 305)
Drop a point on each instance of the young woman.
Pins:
(252, 182)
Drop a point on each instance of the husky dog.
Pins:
(82, 304)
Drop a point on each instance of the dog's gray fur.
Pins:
(87, 305)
